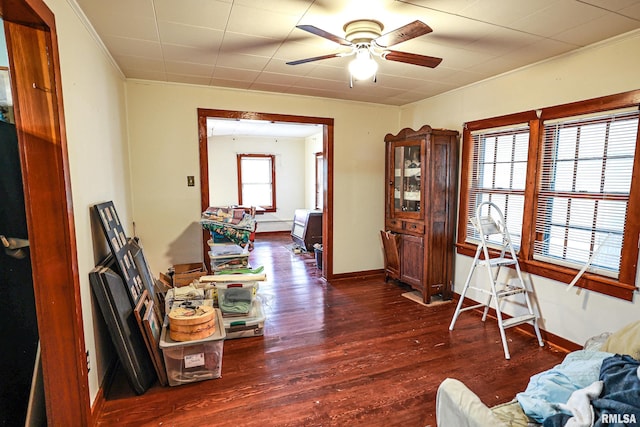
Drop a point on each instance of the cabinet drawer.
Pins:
(414, 227)
(394, 225)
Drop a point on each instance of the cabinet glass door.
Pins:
(407, 191)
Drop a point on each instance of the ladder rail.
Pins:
(488, 226)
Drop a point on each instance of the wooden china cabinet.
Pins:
(420, 212)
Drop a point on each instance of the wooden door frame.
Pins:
(327, 149)
(37, 92)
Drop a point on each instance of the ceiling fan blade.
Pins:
(315, 58)
(412, 58)
(322, 33)
(404, 33)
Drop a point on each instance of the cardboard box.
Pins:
(184, 274)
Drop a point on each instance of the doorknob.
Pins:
(14, 247)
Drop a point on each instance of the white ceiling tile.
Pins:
(122, 9)
(132, 27)
(179, 53)
(144, 74)
(201, 13)
(631, 11)
(291, 7)
(189, 68)
(461, 78)
(613, 5)
(279, 66)
(188, 35)
(270, 87)
(224, 73)
(276, 78)
(329, 72)
(553, 20)
(133, 47)
(599, 29)
(229, 43)
(236, 84)
(245, 62)
(260, 22)
(250, 45)
(191, 79)
(325, 84)
(140, 63)
(505, 13)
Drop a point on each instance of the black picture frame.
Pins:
(121, 249)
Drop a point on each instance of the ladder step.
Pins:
(482, 290)
(510, 290)
(514, 321)
(495, 262)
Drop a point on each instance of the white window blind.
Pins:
(498, 175)
(587, 167)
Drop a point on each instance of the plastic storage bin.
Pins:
(236, 299)
(217, 249)
(192, 361)
(228, 262)
(246, 326)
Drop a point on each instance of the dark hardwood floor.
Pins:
(354, 352)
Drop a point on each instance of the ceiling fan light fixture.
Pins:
(363, 67)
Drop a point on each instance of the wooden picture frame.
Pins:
(150, 328)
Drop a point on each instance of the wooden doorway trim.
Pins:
(37, 91)
(327, 149)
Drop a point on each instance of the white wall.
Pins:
(598, 70)
(290, 166)
(163, 130)
(95, 120)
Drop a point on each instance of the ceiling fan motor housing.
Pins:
(363, 30)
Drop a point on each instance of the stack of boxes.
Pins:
(232, 290)
(235, 293)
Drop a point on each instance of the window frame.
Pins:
(492, 192)
(624, 286)
(272, 158)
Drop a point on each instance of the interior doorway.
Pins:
(327, 168)
(36, 89)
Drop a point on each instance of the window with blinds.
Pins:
(498, 174)
(586, 172)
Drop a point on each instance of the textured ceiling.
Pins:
(246, 43)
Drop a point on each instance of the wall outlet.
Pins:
(191, 181)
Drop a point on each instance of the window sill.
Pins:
(592, 282)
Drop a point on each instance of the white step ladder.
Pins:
(491, 225)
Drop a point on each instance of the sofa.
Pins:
(596, 386)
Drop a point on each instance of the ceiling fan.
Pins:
(365, 39)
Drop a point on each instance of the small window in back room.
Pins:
(257, 181)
